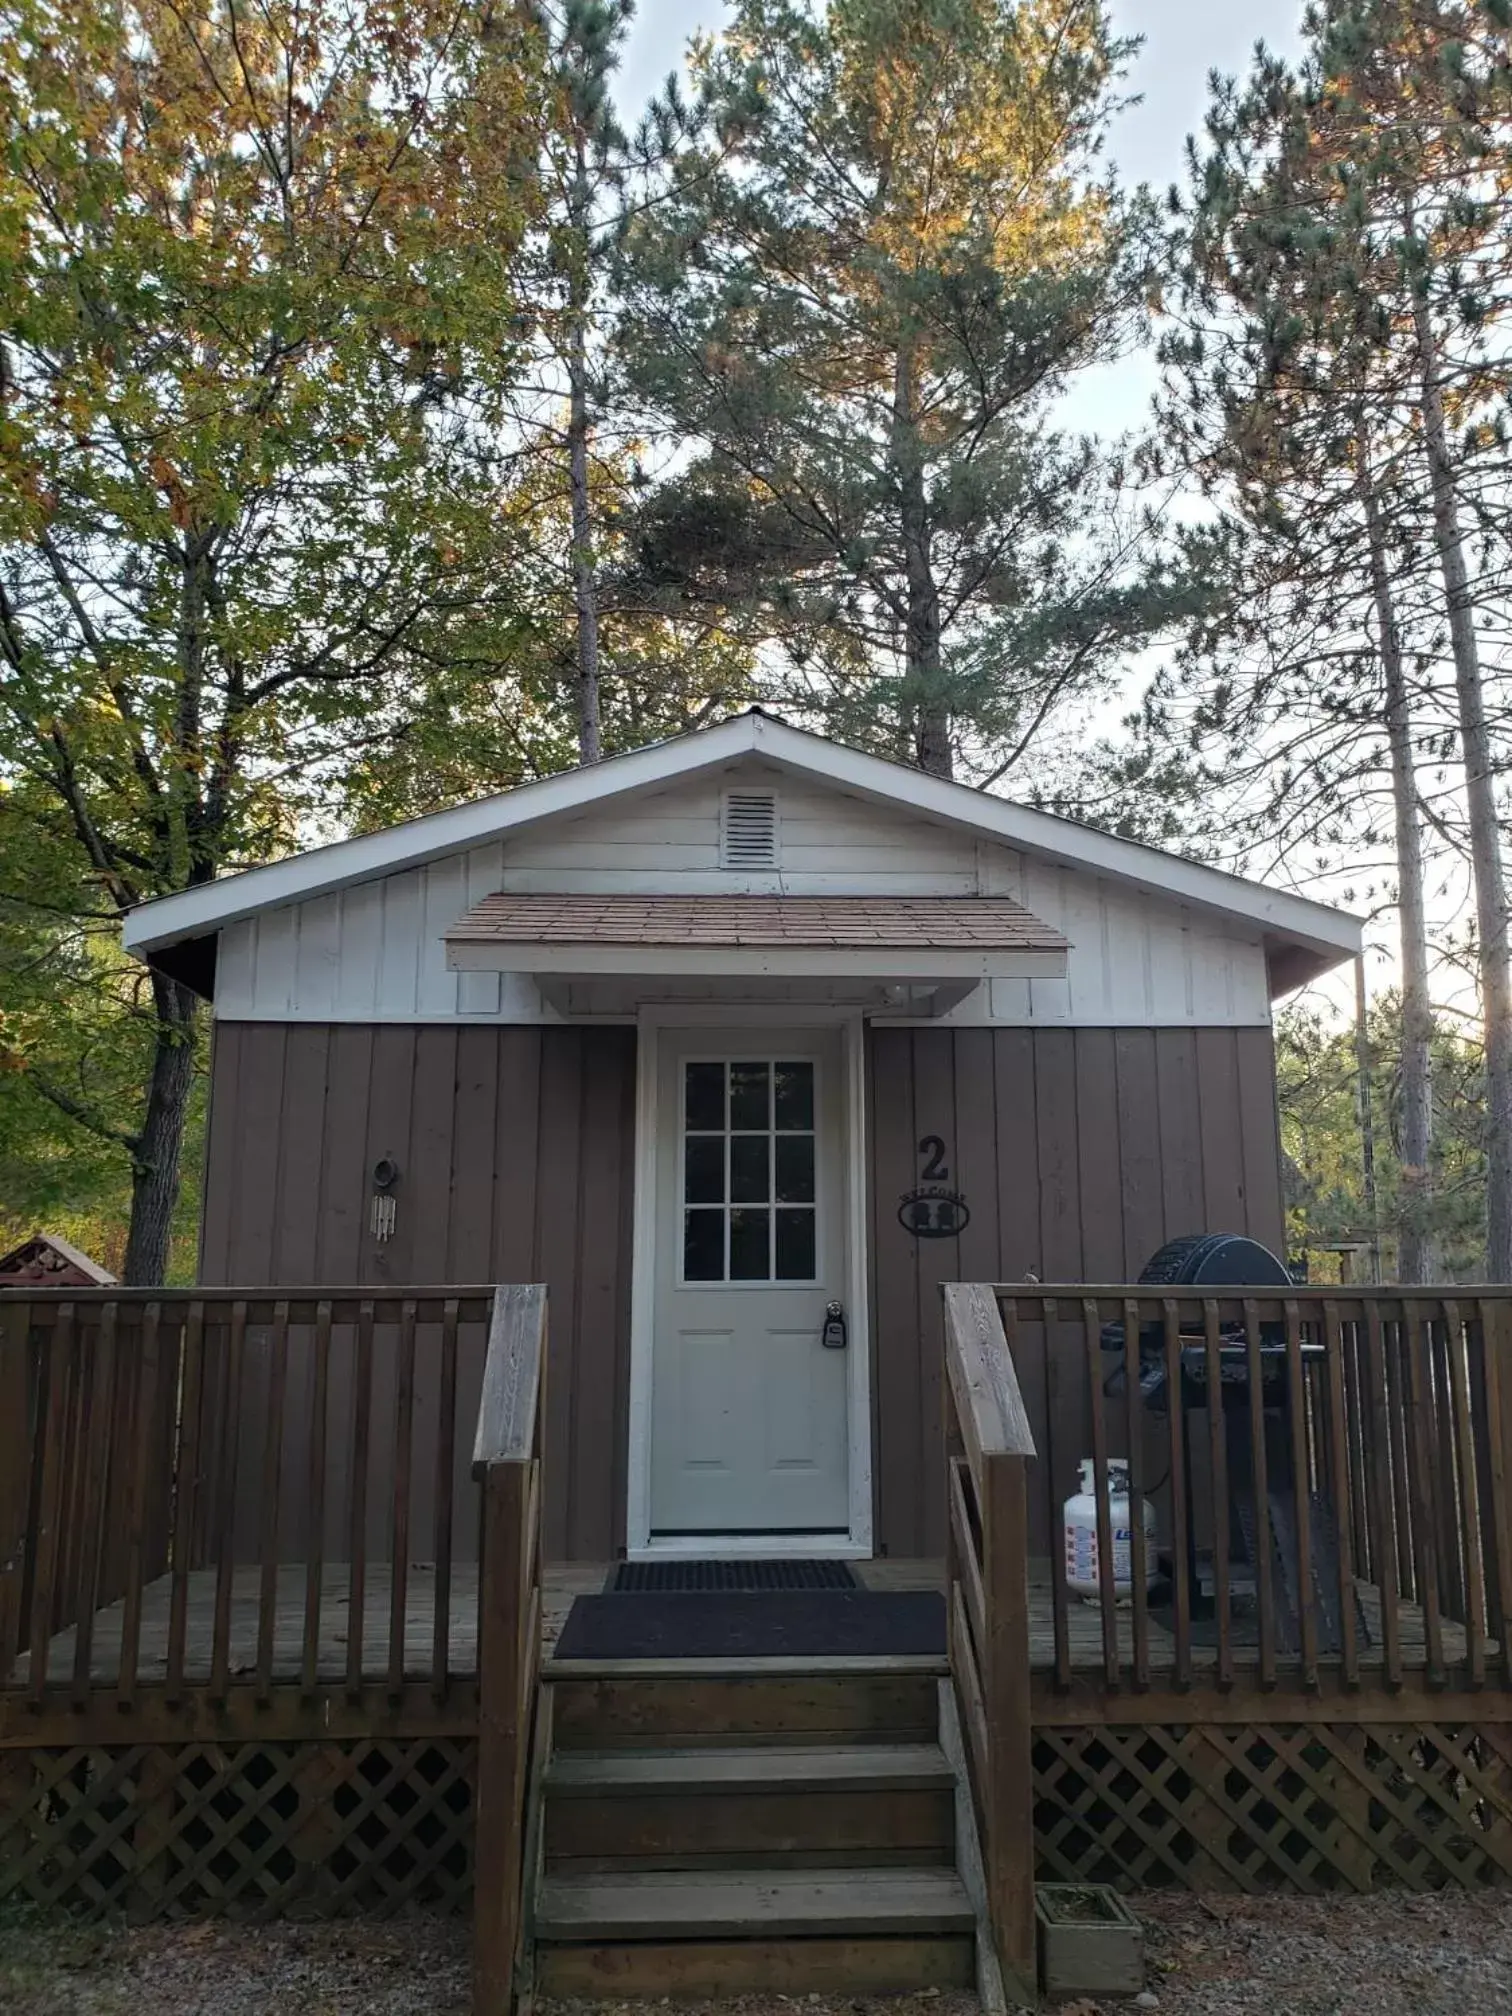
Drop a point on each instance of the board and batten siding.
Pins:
(1079, 1152)
(374, 952)
(515, 1156)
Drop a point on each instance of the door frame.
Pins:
(651, 1023)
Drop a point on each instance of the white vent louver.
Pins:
(748, 830)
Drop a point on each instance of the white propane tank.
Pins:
(1082, 1566)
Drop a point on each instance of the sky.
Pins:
(1183, 41)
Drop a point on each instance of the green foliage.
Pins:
(255, 279)
(77, 1032)
(1318, 1075)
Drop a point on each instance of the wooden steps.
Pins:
(741, 1929)
(749, 1830)
(681, 1808)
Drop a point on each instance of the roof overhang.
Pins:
(1303, 937)
(902, 954)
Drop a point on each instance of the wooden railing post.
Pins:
(16, 1435)
(987, 1600)
(506, 1462)
(1008, 1797)
(503, 1743)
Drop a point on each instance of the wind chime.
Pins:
(385, 1210)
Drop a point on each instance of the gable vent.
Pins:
(748, 830)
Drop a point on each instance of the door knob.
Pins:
(832, 1337)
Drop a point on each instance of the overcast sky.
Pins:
(1183, 41)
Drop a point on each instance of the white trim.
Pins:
(642, 1286)
(779, 962)
(858, 1302)
(748, 1546)
(652, 1022)
(195, 912)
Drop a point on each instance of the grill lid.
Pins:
(1215, 1260)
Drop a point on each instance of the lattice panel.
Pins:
(249, 1829)
(1300, 1807)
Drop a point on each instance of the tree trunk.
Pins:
(925, 681)
(1417, 1258)
(584, 582)
(157, 1149)
(1480, 797)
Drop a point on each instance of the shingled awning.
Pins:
(886, 937)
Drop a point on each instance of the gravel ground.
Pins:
(1284, 1956)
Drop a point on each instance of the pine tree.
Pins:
(595, 178)
(585, 166)
(863, 317)
(1289, 382)
(1413, 101)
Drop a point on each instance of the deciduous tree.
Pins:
(255, 288)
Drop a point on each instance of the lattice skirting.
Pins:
(1294, 1807)
(249, 1829)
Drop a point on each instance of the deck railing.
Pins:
(194, 1486)
(988, 1449)
(1343, 1512)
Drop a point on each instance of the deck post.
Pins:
(502, 1744)
(987, 1607)
(15, 1476)
(507, 1464)
(1009, 1796)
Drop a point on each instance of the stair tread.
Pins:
(752, 1903)
(810, 1767)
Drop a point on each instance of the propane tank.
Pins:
(1082, 1566)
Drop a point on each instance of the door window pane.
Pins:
(749, 1166)
(750, 1245)
(703, 1246)
(795, 1168)
(750, 1156)
(704, 1093)
(795, 1245)
(750, 1095)
(795, 1096)
(703, 1169)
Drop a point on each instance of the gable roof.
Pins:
(1304, 937)
(47, 1260)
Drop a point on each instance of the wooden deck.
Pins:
(562, 1583)
(217, 1691)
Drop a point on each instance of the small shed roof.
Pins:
(48, 1261)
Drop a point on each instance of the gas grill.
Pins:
(1226, 1264)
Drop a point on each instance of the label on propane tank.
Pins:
(1081, 1554)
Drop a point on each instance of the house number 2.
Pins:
(932, 1154)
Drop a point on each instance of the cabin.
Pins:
(679, 1240)
(725, 1041)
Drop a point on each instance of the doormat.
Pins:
(778, 1624)
(704, 1578)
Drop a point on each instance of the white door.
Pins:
(749, 1404)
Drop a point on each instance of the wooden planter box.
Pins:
(1090, 1942)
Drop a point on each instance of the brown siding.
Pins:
(1079, 1152)
(515, 1151)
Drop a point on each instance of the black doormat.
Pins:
(703, 1578)
(785, 1624)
